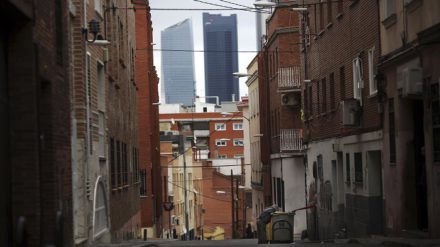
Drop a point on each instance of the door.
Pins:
(375, 188)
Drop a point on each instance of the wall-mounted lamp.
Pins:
(156, 103)
(239, 74)
(94, 29)
(258, 135)
(300, 9)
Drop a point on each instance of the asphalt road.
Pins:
(240, 242)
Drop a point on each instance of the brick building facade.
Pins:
(35, 125)
(280, 114)
(148, 121)
(342, 118)
(104, 123)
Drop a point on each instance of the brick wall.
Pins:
(334, 44)
(39, 143)
(148, 120)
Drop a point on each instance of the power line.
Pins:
(218, 51)
(228, 7)
(212, 167)
(202, 195)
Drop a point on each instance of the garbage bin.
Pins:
(281, 228)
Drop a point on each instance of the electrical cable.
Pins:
(232, 8)
(202, 195)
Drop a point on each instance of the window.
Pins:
(436, 120)
(238, 142)
(101, 86)
(99, 6)
(220, 126)
(143, 180)
(100, 218)
(59, 31)
(124, 164)
(89, 102)
(118, 163)
(221, 142)
(340, 6)
(329, 11)
(358, 172)
(113, 164)
(310, 105)
(238, 126)
(357, 78)
(318, 98)
(101, 148)
(321, 16)
(332, 91)
(342, 82)
(371, 72)
(222, 156)
(324, 95)
(389, 8)
(347, 168)
(135, 165)
(391, 130)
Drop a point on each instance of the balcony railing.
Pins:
(289, 78)
(291, 140)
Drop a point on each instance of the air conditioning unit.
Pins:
(410, 81)
(350, 112)
(174, 220)
(289, 100)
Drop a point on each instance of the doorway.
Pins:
(420, 167)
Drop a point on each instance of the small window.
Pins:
(238, 126)
(143, 180)
(222, 156)
(371, 72)
(220, 126)
(238, 142)
(221, 143)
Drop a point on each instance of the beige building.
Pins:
(408, 86)
(254, 140)
(184, 184)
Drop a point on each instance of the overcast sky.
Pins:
(246, 29)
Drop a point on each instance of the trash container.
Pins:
(281, 228)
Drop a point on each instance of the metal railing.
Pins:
(291, 140)
(289, 77)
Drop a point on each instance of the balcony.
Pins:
(291, 140)
(289, 79)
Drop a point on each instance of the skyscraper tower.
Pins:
(221, 57)
(178, 84)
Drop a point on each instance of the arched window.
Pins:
(100, 215)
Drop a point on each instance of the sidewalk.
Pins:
(391, 241)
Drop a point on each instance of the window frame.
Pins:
(236, 142)
(372, 72)
(237, 123)
(221, 143)
(217, 127)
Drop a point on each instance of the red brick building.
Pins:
(148, 120)
(342, 119)
(35, 149)
(282, 151)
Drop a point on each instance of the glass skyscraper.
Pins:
(178, 83)
(221, 56)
